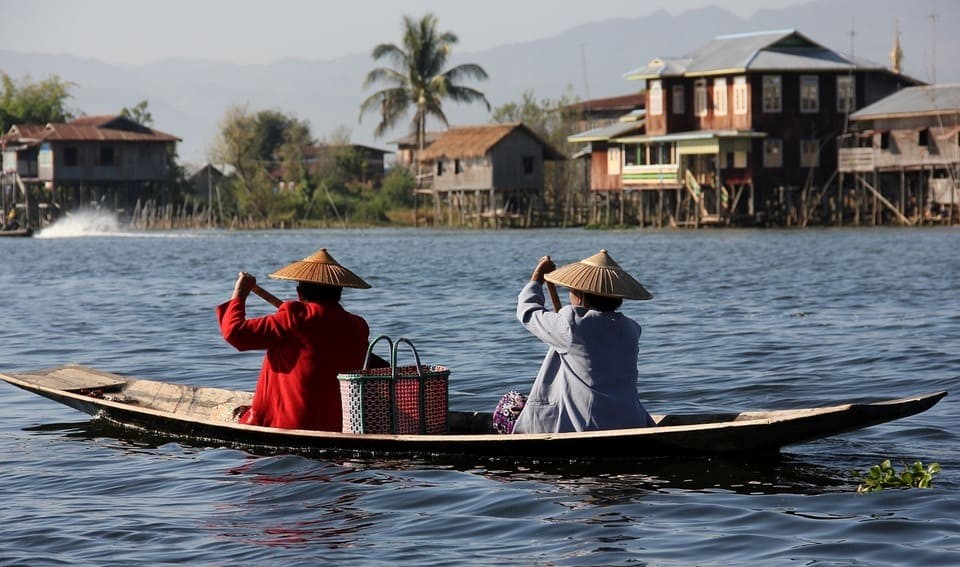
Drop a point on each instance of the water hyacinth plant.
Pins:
(884, 476)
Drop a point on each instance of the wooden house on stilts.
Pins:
(491, 175)
(741, 131)
(901, 159)
(109, 162)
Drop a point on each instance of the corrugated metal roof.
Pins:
(624, 103)
(660, 67)
(476, 141)
(757, 51)
(429, 137)
(90, 128)
(20, 131)
(805, 58)
(929, 99)
(606, 132)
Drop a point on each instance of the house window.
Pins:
(528, 165)
(632, 155)
(885, 140)
(739, 95)
(809, 153)
(720, 97)
(809, 93)
(678, 106)
(656, 98)
(613, 160)
(700, 98)
(659, 154)
(923, 139)
(439, 168)
(457, 168)
(772, 99)
(773, 152)
(106, 156)
(70, 156)
(846, 93)
(740, 159)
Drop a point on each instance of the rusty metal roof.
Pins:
(88, 129)
(477, 141)
(624, 103)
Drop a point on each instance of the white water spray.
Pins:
(83, 223)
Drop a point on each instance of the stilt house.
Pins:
(903, 155)
(742, 130)
(491, 173)
(109, 161)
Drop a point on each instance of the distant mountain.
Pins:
(188, 97)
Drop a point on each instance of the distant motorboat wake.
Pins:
(83, 223)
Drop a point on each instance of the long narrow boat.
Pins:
(18, 232)
(203, 416)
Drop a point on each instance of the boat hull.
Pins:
(201, 416)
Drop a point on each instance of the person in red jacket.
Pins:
(308, 343)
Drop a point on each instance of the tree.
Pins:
(419, 79)
(554, 121)
(138, 113)
(33, 103)
(260, 146)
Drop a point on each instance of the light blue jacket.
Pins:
(588, 380)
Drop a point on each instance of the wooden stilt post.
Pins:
(659, 208)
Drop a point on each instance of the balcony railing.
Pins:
(855, 159)
(658, 174)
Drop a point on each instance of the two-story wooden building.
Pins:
(108, 161)
(742, 129)
(487, 173)
(902, 157)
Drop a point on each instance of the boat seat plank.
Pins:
(73, 378)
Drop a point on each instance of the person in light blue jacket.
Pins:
(588, 379)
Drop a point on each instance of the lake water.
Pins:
(740, 320)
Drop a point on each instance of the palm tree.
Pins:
(418, 79)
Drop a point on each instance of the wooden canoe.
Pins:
(202, 416)
(18, 232)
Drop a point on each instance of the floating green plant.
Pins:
(884, 476)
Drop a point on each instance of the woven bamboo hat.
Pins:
(599, 275)
(320, 268)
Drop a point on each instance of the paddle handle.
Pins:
(267, 296)
(554, 296)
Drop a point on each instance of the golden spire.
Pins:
(896, 54)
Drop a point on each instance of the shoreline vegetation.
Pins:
(268, 171)
(188, 218)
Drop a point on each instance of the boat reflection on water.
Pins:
(606, 480)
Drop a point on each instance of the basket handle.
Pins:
(393, 350)
(422, 387)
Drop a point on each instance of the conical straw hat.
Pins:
(599, 275)
(320, 268)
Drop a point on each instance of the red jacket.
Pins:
(307, 345)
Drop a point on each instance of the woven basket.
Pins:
(400, 399)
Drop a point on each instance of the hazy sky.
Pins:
(245, 31)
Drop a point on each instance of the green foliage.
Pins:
(27, 102)
(418, 78)
(397, 189)
(882, 476)
(267, 150)
(138, 113)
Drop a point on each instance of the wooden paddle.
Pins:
(267, 296)
(554, 296)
